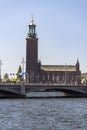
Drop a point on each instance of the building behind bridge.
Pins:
(36, 72)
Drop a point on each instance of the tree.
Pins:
(19, 72)
(6, 77)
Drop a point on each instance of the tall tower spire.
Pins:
(32, 52)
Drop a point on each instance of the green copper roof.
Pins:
(58, 68)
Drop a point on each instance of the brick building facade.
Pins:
(36, 72)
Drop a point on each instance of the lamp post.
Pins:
(65, 74)
(0, 69)
(23, 62)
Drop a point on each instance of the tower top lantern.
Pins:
(32, 29)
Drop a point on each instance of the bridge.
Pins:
(11, 90)
(21, 90)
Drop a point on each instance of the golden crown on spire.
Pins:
(32, 22)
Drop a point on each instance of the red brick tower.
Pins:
(32, 53)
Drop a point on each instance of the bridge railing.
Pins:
(36, 84)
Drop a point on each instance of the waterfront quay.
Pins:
(22, 89)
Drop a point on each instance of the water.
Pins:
(43, 114)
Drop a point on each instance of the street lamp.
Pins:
(23, 62)
(0, 69)
(65, 74)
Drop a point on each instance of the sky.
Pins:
(61, 27)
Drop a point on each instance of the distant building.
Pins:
(36, 72)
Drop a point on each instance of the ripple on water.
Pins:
(43, 114)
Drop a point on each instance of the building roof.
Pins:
(69, 68)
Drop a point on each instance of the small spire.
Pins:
(77, 65)
(77, 61)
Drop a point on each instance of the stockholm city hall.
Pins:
(36, 72)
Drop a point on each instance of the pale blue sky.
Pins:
(61, 29)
